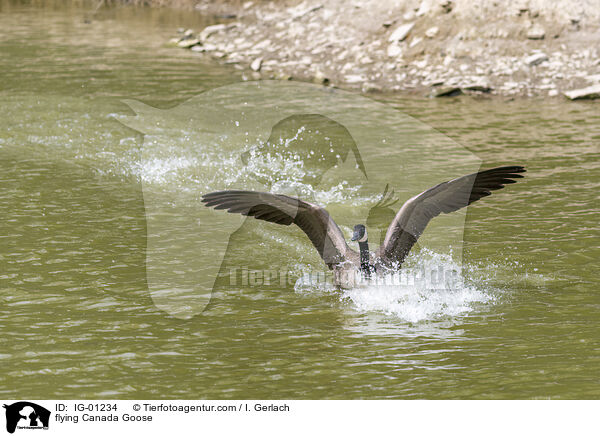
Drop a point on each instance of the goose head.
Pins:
(360, 233)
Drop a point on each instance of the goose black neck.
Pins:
(365, 267)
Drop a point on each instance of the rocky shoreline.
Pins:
(427, 47)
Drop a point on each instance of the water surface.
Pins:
(78, 319)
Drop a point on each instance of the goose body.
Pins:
(404, 230)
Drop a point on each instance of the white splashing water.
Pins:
(287, 173)
(207, 167)
(416, 294)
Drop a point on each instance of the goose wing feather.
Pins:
(415, 214)
(312, 219)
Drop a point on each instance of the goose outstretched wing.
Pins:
(318, 225)
(415, 214)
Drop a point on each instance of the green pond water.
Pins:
(108, 258)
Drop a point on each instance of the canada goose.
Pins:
(403, 232)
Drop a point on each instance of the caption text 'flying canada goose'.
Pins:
(403, 232)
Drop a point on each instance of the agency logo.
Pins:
(26, 415)
(325, 146)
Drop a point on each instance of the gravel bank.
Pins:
(431, 47)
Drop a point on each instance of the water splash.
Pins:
(430, 287)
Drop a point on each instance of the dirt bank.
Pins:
(433, 47)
